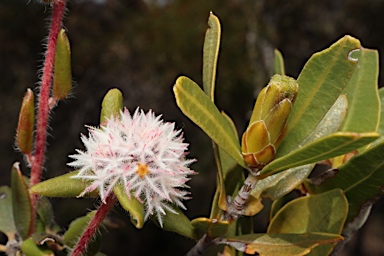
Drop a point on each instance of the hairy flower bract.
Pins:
(144, 154)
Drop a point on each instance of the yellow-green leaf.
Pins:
(362, 93)
(278, 185)
(210, 55)
(178, 223)
(324, 212)
(131, 205)
(112, 105)
(62, 76)
(280, 244)
(321, 81)
(21, 203)
(381, 124)
(7, 225)
(361, 178)
(29, 248)
(63, 186)
(196, 105)
(212, 227)
(326, 147)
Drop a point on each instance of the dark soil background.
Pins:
(141, 47)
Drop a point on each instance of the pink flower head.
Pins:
(143, 153)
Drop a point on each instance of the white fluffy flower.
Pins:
(141, 152)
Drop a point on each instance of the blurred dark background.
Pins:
(141, 47)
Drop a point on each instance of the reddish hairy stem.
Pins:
(93, 226)
(43, 108)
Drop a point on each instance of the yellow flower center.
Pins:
(142, 170)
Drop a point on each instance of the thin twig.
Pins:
(43, 108)
(93, 226)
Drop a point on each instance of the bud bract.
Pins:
(268, 123)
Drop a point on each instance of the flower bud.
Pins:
(268, 122)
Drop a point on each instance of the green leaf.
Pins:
(63, 186)
(324, 212)
(21, 203)
(364, 104)
(62, 76)
(112, 105)
(26, 123)
(29, 248)
(131, 205)
(212, 227)
(326, 147)
(200, 109)
(178, 223)
(46, 215)
(381, 124)
(280, 244)
(278, 63)
(278, 185)
(7, 225)
(321, 81)
(76, 229)
(210, 55)
(361, 178)
(329, 124)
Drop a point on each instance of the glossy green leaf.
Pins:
(29, 248)
(63, 186)
(76, 229)
(112, 104)
(62, 75)
(200, 109)
(280, 244)
(7, 225)
(331, 121)
(131, 205)
(326, 147)
(321, 81)
(278, 63)
(21, 203)
(210, 55)
(26, 123)
(381, 124)
(363, 98)
(278, 185)
(361, 178)
(212, 227)
(178, 223)
(324, 212)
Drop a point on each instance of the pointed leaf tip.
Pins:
(62, 78)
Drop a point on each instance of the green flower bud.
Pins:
(268, 123)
